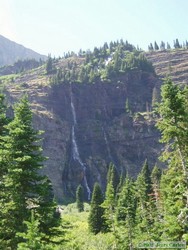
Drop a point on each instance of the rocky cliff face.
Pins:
(87, 126)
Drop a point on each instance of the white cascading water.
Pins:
(75, 150)
(107, 145)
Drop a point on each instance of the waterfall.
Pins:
(75, 149)
(107, 145)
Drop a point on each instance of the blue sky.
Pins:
(58, 26)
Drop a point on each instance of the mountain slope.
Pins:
(86, 126)
(96, 118)
(172, 63)
(10, 52)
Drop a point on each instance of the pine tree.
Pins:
(109, 207)
(3, 165)
(155, 178)
(49, 65)
(125, 214)
(113, 176)
(80, 198)
(150, 47)
(162, 45)
(32, 238)
(96, 219)
(177, 44)
(156, 47)
(173, 123)
(168, 46)
(24, 188)
(3, 131)
(144, 212)
(157, 206)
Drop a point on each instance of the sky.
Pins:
(58, 26)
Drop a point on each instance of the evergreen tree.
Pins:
(177, 44)
(3, 131)
(109, 207)
(3, 165)
(33, 237)
(156, 47)
(144, 212)
(96, 219)
(173, 124)
(113, 176)
(80, 198)
(150, 47)
(155, 178)
(157, 206)
(186, 44)
(168, 46)
(23, 187)
(162, 46)
(125, 214)
(49, 65)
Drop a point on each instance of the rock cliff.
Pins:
(87, 126)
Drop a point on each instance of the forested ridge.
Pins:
(150, 207)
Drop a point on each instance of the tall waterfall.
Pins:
(107, 145)
(75, 149)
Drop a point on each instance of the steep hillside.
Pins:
(95, 109)
(173, 63)
(10, 52)
(86, 126)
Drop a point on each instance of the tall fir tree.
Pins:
(144, 212)
(109, 205)
(173, 123)
(32, 238)
(113, 177)
(80, 198)
(3, 165)
(96, 219)
(24, 188)
(125, 214)
(156, 47)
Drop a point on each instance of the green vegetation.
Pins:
(167, 46)
(20, 66)
(96, 219)
(23, 189)
(80, 198)
(151, 207)
(102, 64)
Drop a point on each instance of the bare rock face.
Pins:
(89, 127)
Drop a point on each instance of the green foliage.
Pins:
(156, 46)
(23, 187)
(173, 124)
(113, 176)
(20, 66)
(32, 238)
(78, 235)
(96, 216)
(102, 64)
(80, 198)
(145, 207)
(125, 214)
(49, 65)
